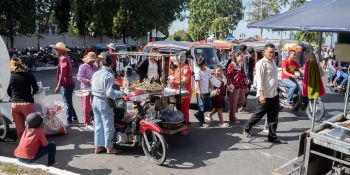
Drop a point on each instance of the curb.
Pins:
(52, 170)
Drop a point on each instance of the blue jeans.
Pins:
(293, 88)
(332, 74)
(67, 94)
(203, 106)
(341, 74)
(104, 122)
(50, 150)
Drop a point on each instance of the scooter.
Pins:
(136, 125)
(301, 102)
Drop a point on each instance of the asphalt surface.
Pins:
(211, 150)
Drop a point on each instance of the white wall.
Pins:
(40, 40)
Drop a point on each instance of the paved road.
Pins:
(205, 151)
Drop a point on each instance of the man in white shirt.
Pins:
(202, 76)
(267, 94)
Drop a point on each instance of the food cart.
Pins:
(162, 98)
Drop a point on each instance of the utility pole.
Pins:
(261, 18)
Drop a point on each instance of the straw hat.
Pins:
(91, 56)
(111, 45)
(16, 65)
(60, 46)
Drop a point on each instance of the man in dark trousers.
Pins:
(268, 100)
(65, 82)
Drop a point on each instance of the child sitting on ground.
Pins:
(33, 143)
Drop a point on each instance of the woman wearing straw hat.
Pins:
(85, 73)
(21, 89)
(65, 82)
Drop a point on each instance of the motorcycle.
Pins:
(136, 125)
(301, 102)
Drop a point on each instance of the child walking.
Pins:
(218, 93)
(33, 143)
(236, 85)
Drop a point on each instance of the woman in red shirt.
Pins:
(236, 81)
(187, 83)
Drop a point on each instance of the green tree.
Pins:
(44, 14)
(135, 18)
(311, 37)
(181, 35)
(203, 13)
(262, 9)
(62, 14)
(220, 27)
(17, 17)
(102, 19)
(82, 14)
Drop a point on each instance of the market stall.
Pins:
(323, 149)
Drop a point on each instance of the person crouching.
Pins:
(33, 143)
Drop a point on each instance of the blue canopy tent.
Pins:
(314, 16)
(317, 16)
(231, 37)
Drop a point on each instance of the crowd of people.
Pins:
(215, 89)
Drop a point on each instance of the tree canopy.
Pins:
(219, 16)
(117, 18)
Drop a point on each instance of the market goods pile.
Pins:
(146, 85)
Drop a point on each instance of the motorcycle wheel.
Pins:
(158, 147)
(320, 109)
(4, 127)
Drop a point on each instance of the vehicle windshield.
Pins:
(209, 55)
(120, 48)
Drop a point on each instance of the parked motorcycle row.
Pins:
(45, 57)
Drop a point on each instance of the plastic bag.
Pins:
(54, 126)
(171, 117)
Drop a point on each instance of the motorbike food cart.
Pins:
(146, 113)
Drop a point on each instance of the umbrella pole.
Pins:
(319, 46)
(313, 115)
(347, 95)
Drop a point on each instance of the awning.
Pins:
(317, 15)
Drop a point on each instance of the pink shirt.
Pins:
(30, 143)
(85, 74)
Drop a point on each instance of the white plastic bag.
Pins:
(54, 126)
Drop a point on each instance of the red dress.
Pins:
(219, 99)
(186, 100)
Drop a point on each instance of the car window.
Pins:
(120, 48)
(209, 55)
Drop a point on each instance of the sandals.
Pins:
(224, 125)
(208, 118)
(100, 150)
(112, 151)
(246, 134)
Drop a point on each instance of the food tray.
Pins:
(149, 90)
(82, 93)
